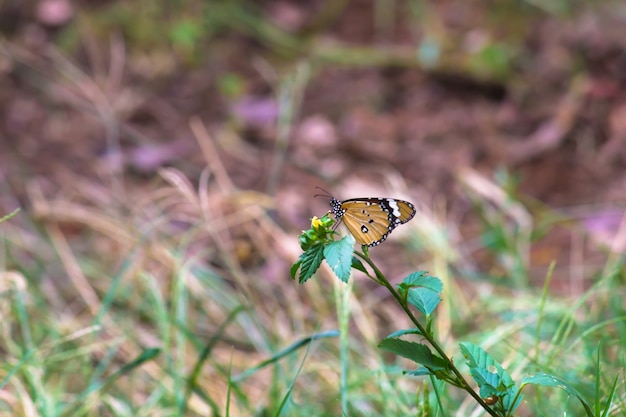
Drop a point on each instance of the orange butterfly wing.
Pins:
(370, 220)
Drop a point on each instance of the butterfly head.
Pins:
(336, 208)
(335, 205)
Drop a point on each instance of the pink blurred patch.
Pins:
(317, 131)
(257, 111)
(607, 228)
(149, 158)
(54, 13)
(287, 16)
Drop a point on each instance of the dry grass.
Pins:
(104, 277)
(102, 266)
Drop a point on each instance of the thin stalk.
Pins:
(461, 382)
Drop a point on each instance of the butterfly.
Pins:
(370, 220)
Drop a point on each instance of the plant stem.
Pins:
(462, 383)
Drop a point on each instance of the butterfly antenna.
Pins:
(327, 194)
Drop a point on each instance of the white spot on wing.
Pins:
(394, 207)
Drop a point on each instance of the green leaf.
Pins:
(399, 333)
(421, 371)
(487, 380)
(491, 378)
(294, 268)
(424, 300)
(358, 265)
(547, 380)
(423, 291)
(338, 256)
(308, 263)
(477, 357)
(422, 280)
(416, 352)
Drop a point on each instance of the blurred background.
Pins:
(165, 154)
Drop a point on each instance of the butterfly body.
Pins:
(370, 220)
